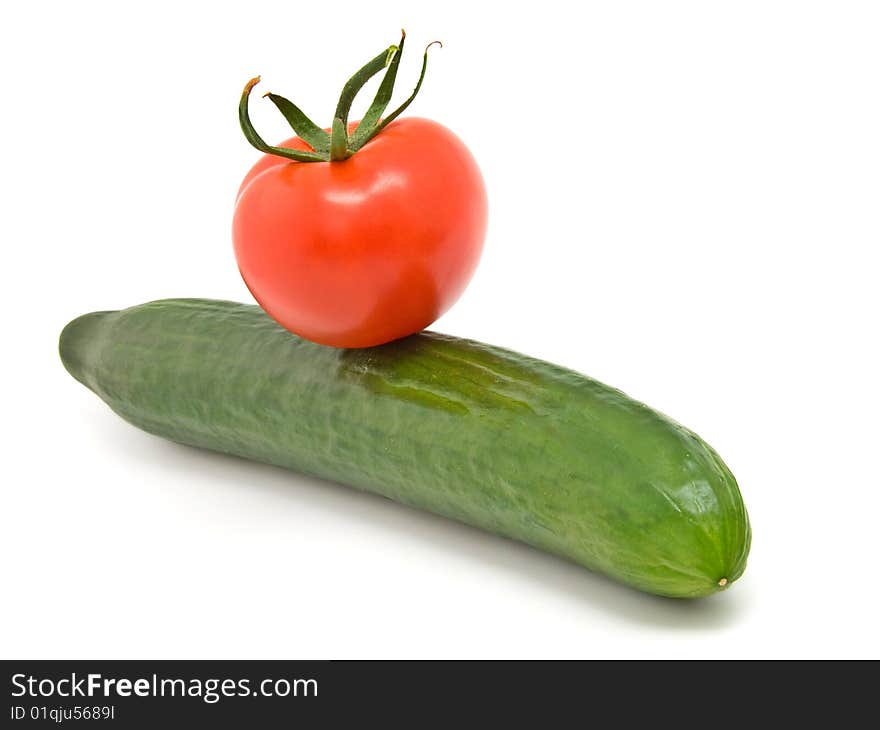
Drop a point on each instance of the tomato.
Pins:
(362, 251)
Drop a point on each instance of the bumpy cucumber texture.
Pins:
(507, 443)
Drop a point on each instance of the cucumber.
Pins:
(510, 444)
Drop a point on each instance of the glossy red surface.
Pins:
(364, 251)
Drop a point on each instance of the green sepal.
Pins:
(304, 127)
(257, 141)
(381, 100)
(397, 112)
(337, 145)
(356, 82)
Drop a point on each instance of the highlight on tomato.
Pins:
(365, 232)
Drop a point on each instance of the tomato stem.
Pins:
(338, 144)
(338, 141)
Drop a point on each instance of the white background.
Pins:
(685, 203)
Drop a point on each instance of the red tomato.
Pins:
(366, 250)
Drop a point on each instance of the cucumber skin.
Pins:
(516, 446)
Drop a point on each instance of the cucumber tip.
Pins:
(722, 582)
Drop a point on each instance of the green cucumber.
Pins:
(510, 444)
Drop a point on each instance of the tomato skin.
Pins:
(364, 251)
